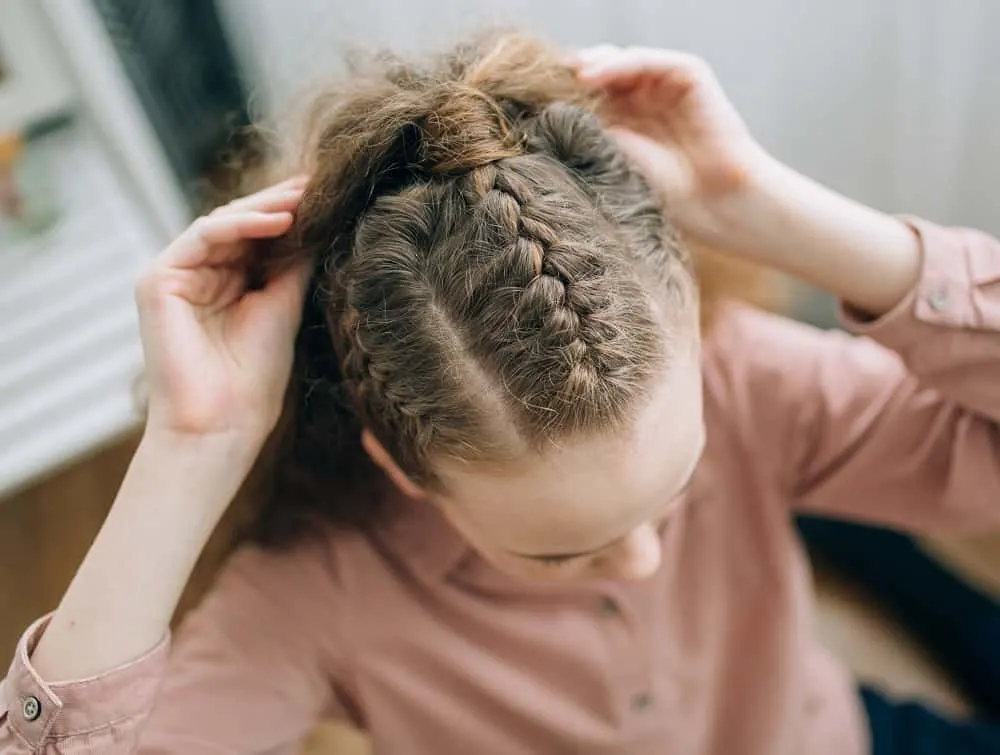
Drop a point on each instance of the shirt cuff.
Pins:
(957, 266)
(38, 711)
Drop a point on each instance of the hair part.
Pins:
(492, 277)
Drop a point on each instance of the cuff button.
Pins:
(938, 300)
(31, 709)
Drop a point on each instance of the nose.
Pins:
(634, 557)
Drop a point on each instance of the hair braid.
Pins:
(494, 276)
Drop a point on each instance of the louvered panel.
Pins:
(26, 378)
(69, 344)
(96, 420)
(21, 334)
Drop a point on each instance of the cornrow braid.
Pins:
(545, 296)
(494, 277)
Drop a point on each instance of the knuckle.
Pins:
(200, 224)
(697, 65)
(644, 54)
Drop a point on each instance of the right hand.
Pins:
(218, 355)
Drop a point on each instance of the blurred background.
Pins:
(120, 119)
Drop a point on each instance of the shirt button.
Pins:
(31, 709)
(938, 300)
(609, 607)
(641, 701)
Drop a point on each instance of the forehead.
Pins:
(578, 496)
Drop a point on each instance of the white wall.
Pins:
(895, 102)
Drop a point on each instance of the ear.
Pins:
(384, 460)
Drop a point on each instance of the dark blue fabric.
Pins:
(906, 728)
(959, 625)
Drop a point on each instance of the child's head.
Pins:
(500, 311)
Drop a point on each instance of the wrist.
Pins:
(122, 598)
(193, 477)
(232, 451)
(744, 219)
(785, 220)
(733, 219)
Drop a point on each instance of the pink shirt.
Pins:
(413, 637)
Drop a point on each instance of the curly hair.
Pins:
(492, 276)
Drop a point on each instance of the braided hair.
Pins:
(491, 277)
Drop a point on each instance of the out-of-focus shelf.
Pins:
(69, 344)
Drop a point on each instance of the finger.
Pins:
(593, 60)
(282, 297)
(294, 182)
(592, 55)
(273, 200)
(294, 282)
(629, 64)
(628, 139)
(213, 240)
(661, 167)
(285, 188)
(211, 288)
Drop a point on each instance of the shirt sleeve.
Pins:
(252, 669)
(899, 427)
(102, 714)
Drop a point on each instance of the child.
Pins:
(521, 506)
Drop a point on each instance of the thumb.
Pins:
(634, 143)
(282, 297)
(294, 282)
(660, 165)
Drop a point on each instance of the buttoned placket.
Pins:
(635, 672)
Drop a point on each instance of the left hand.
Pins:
(722, 189)
(673, 118)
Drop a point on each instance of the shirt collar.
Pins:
(420, 535)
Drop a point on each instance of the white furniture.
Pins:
(33, 85)
(69, 347)
(70, 357)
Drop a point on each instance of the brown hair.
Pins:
(491, 276)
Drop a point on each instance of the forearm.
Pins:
(786, 221)
(120, 602)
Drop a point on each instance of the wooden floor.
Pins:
(45, 531)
